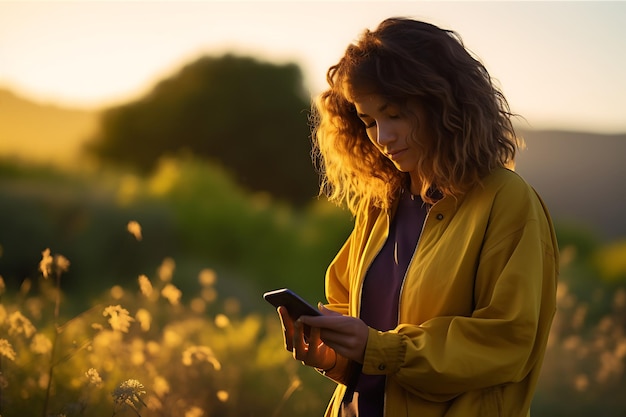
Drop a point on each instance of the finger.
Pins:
(314, 343)
(322, 321)
(288, 330)
(319, 354)
(325, 311)
(300, 347)
(314, 339)
(350, 345)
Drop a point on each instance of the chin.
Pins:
(402, 168)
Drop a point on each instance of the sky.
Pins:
(560, 64)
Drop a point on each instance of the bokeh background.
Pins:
(191, 119)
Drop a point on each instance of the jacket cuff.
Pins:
(384, 353)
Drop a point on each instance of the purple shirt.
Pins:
(380, 296)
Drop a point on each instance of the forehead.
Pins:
(370, 104)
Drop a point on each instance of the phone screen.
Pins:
(295, 305)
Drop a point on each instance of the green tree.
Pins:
(251, 117)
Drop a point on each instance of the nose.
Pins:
(385, 134)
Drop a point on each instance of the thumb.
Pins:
(325, 311)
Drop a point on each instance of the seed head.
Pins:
(129, 392)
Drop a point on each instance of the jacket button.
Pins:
(381, 367)
(439, 216)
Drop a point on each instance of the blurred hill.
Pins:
(41, 132)
(580, 175)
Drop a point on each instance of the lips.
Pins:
(395, 154)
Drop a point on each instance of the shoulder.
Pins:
(506, 188)
(505, 199)
(503, 180)
(514, 204)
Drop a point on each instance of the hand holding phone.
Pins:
(295, 305)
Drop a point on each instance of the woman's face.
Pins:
(399, 132)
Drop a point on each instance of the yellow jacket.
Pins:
(475, 308)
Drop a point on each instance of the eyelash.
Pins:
(373, 124)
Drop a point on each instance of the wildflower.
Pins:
(25, 286)
(34, 306)
(3, 314)
(581, 382)
(94, 377)
(117, 292)
(129, 392)
(221, 321)
(153, 348)
(45, 265)
(40, 344)
(119, 318)
(194, 354)
(52, 264)
(161, 386)
(137, 355)
(171, 337)
(42, 381)
(207, 277)
(194, 412)
(18, 324)
(134, 228)
(166, 269)
(620, 349)
(197, 305)
(145, 286)
(209, 294)
(6, 350)
(144, 318)
(222, 395)
(171, 293)
(62, 264)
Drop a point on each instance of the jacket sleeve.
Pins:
(337, 285)
(500, 342)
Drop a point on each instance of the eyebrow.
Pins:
(380, 109)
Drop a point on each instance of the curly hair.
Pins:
(405, 60)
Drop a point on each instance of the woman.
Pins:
(441, 300)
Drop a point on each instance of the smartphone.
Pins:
(294, 304)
